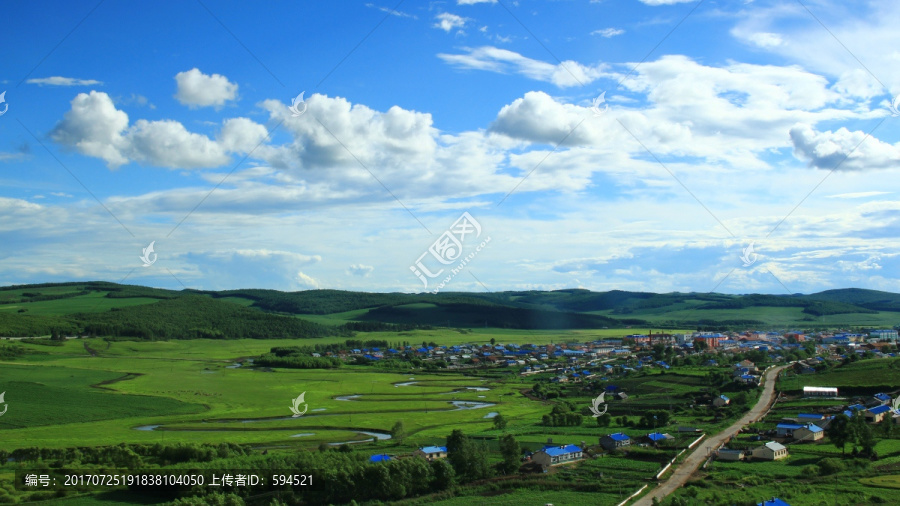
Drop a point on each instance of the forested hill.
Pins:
(184, 317)
(102, 308)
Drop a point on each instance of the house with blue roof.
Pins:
(721, 401)
(877, 414)
(748, 379)
(809, 432)
(379, 458)
(615, 441)
(431, 452)
(883, 398)
(656, 437)
(773, 502)
(787, 429)
(555, 455)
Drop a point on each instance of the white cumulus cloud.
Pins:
(447, 21)
(196, 89)
(94, 127)
(843, 149)
(361, 270)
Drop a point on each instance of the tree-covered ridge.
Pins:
(488, 315)
(184, 317)
(153, 313)
(337, 301)
(809, 305)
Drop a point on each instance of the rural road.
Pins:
(695, 459)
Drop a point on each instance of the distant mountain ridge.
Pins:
(105, 308)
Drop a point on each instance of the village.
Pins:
(607, 360)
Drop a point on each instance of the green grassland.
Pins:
(92, 392)
(892, 481)
(881, 374)
(97, 392)
(94, 302)
(186, 387)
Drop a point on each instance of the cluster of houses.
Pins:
(426, 452)
(569, 360)
(550, 454)
(811, 427)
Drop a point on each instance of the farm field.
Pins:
(879, 374)
(92, 392)
(189, 389)
(783, 316)
(812, 474)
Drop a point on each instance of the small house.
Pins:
(809, 432)
(553, 455)
(656, 437)
(882, 398)
(730, 455)
(773, 502)
(787, 429)
(721, 401)
(615, 441)
(820, 392)
(432, 452)
(877, 414)
(770, 451)
(810, 417)
(380, 458)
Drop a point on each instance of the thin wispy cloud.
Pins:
(63, 81)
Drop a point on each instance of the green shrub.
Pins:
(830, 465)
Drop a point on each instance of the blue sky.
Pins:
(721, 125)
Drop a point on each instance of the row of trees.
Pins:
(562, 415)
(130, 456)
(855, 431)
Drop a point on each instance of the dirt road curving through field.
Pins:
(695, 459)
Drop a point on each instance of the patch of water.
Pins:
(147, 427)
(347, 397)
(492, 414)
(406, 384)
(375, 435)
(471, 404)
(380, 435)
(305, 434)
(234, 365)
(318, 409)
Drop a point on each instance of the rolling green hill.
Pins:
(110, 309)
